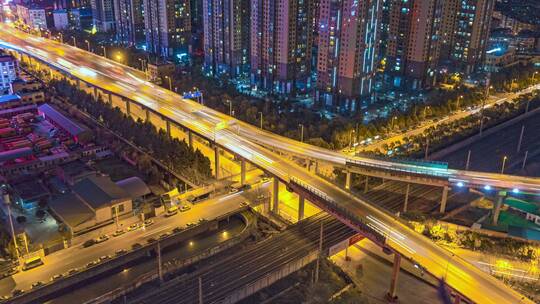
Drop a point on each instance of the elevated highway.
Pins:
(246, 141)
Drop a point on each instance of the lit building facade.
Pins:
(129, 21)
(8, 72)
(167, 27)
(226, 36)
(103, 15)
(347, 53)
(413, 49)
(280, 46)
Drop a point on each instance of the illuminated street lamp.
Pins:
(503, 163)
(104, 51)
(458, 100)
(261, 114)
(394, 119)
(301, 132)
(170, 82)
(118, 57)
(87, 44)
(230, 106)
(74, 41)
(61, 37)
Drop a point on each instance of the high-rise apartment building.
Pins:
(167, 27)
(8, 72)
(413, 47)
(471, 33)
(280, 45)
(129, 21)
(347, 52)
(103, 15)
(226, 36)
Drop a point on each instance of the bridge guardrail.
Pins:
(354, 219)
(438, 172)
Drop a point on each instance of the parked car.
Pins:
(190, 224)
(37, 284)
(134, 227)
(148, 223)
(136, 246)
(151, 240)
(178, 229)
(104, 258)
(57, 277)
(90, 264)
(118, 232)
(164, 235)
(185, 208)
(89, 243)
(102, 238)
(17, 292)
(120, 251)
(72, 271)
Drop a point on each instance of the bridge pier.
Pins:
(128, 106)
(301, 206)
(497, 209)
(444, 198)
(147, 112)
(366, 184)
(242, 171)
(457, 299)
(348, 180)
(190, 138)
(109, 96)
(275, 195)
(96, 94)
(216, 161)
(392, 297)
(406, 197)
(168, 127)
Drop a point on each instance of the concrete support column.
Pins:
(168, 127)
(96, 93)
(366, 185)
(242, 172)
(406, 198)
(497, 209)
(395, 272)
(444, 198)
(78, 82)
(275, 195)
(190, 139)
(147, 115)
(316, 167)
(216, 161)
(128, 105)
(348, 180)
(110, 98)
(457, 299)
(301, 206)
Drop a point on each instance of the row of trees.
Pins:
(172, 152)
(446, 134)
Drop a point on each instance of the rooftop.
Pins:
(99, 191)
(65, 123)
(71, 209)
(134, 187)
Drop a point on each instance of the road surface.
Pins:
(246, 140)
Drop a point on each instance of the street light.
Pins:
(61, 37)
(351, 139)
(458, 100)
(393, 119)
(118, 57)
(261, 113)
(87, 44)
(503, 163)
(230, 106)
(301, 132)
(425, 109)
(74, 41)
(170, 82)
(104, 51)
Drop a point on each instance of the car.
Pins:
(133, 227)
(178, 229)
(89, 243)
(57, 277)
(244, 204)
(136, 246)
(202, 220)
(120, 251)
(190, 224)
(164, 235)
(90, 264)
(37, 284)
(102, 238)
(244, 187)
(233, 190)
(151, 240)
(265, 179)
(104, 258)
(118, 232)
(148, 223)
(17, 292)
(171, 211)
(32, 263)
(185, 208)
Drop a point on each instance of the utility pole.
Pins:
(160, 269)
(301, 132)
(200, 291)
(7, 201)
(524, 159)
(520, 138)
(317, 266)
(427, 148)
(261, 113)
(468, 160)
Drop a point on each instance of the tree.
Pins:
(21, 219)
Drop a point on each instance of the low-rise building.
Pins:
(9, 71)
(94, 201)
(73, 172)
(158, 71)
(78, 132)
(21, 85)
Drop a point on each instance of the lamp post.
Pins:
(458, 100)
(87, 44)
(104, 51)
(170, 82)
(261, 115)
(301, 132)
(394, 119)
(351, 139)
(61, 37)
(503, 163)
(425, 113)
(74, 41)
(230, 107)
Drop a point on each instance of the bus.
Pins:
(32, 263)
